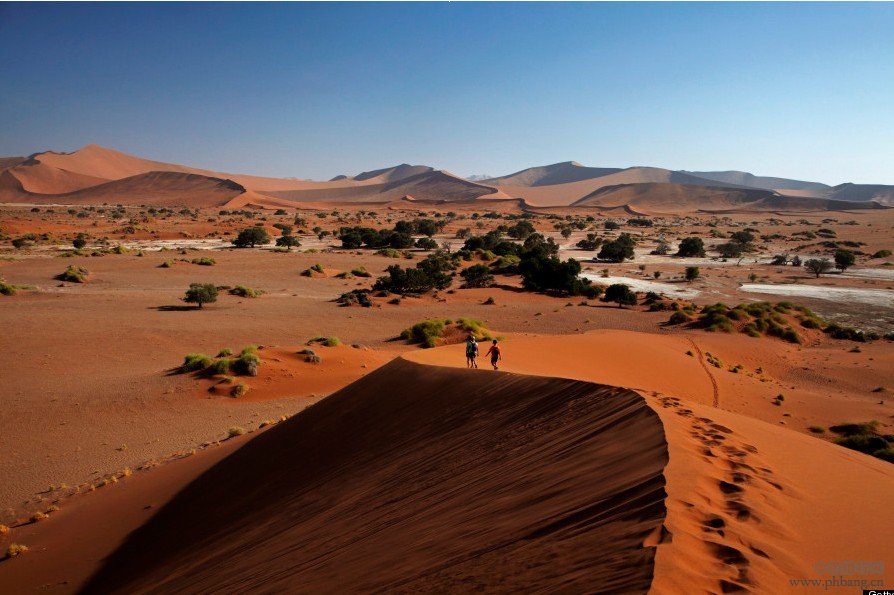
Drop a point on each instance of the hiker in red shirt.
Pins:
(494, 353)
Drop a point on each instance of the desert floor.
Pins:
(92, 399)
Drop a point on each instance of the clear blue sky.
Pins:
(314, 90)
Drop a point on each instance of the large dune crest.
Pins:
(419, 478)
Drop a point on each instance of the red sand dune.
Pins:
(654, 198)
(429, 186)
(108, 164)
(560, 184)
(420, 478)
(566, 193)
(750, 504)
(424, 478)
(156, 188)
(393, 174)
(549, 175)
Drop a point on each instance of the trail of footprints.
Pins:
(742, 473)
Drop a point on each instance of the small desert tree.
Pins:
(818, 266)
(201, 293)
(287, 241)
(844, 259)
(692, 273)
(691, 247)
(79, 242)
(478, 275)
(251, 236)
(620, 294)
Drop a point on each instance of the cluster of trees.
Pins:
(435, 271)
(549, 274)
(493, 241)
(425, 227)
(400, 237)
(591, 242)
(844, 259)
(368, 237)
(618, 250)
(739, 244)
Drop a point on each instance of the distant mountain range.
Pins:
(97, 175)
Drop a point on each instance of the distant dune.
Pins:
(156, 188)
(741, 178)
(570, 192)
(420, 479)
(94, 161)
(549, 175)
(39, 178)
(434, 185)
(393, 174)
(52, 174)
(654, 198)
(862, 192)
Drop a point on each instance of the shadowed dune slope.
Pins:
(420, 478)
(39, 178)
(393, 174)
(6, 162)
(160, 188)
(436, 186)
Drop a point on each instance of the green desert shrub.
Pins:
(864, 437)
(238, 390)
(73, 274)
(679, 317)
(7, 288)
(225, 352)
(221, 366)
(246, 364)
(474, 327)
(195, 361)
(325, 341)
(361, 272)
(205, 261)
(426, 332)
(357, 297)
(837, 331)
(246, 292)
